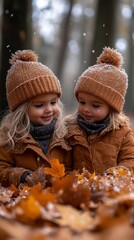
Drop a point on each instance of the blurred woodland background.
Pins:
(67, 35)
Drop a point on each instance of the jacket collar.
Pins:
(30, 143)
(120, 120)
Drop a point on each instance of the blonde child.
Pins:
(99, 132)
(29, 131)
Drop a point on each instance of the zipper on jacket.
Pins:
(91, 154)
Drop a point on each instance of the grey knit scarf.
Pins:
(42, 134)
(93, 128)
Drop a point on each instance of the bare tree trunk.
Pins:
(64, 40)
(16, 35)
(129, 104)
(104, 27)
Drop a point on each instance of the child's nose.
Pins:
(48, 108)
(87, 109)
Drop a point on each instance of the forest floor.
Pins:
(77, 206)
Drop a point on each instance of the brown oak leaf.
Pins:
(76, 220)
(56, 170)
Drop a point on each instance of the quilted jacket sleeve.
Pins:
(126, 153)
(9, 174)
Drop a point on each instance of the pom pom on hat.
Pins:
(110, 56)
(28, 78)
(106, 79)
(25, 55)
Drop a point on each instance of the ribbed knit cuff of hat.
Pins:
(24, 175)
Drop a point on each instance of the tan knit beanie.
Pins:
(105, 79)
(28, 78)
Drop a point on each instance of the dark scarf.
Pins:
(93, 128)
(42, 134)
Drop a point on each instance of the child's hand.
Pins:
(36, 177)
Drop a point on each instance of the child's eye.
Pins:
(38, 105)
(96, 105)
(53, 103)
(81, 102)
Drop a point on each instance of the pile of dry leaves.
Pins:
(77, 206)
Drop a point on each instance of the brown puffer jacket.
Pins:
(29, 156)
(97, 153)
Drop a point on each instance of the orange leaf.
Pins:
(43, 197)
(15, 190)
(76, 220)
(57, 169)
(13, 187)
(72, 192)
(31, 209)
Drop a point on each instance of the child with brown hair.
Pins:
(99, 131)
(29, 131)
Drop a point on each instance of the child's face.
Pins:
(43, 109)
(92, 108)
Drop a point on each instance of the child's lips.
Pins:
(88, 118)
(47, 118)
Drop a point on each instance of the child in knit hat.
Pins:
(29, 132)
(99, 132)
